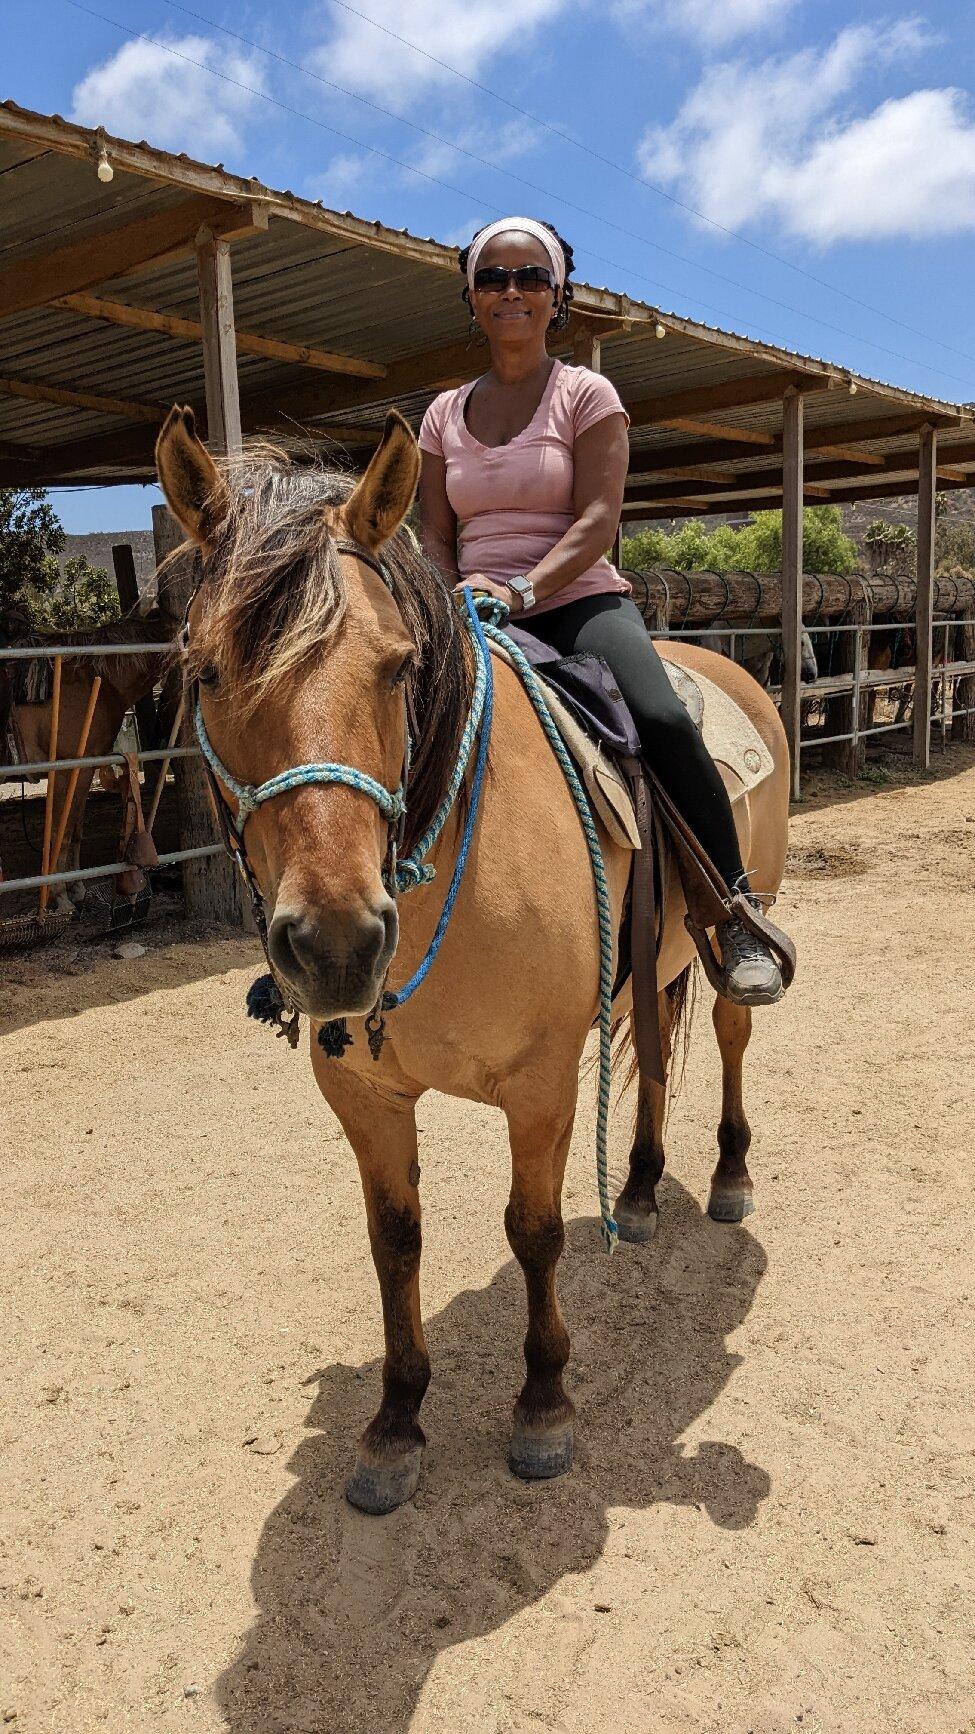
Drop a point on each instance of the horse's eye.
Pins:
(207, 675)
(404, 669)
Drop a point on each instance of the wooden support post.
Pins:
(963, 727)
(847, 712)
(587, 349)
(219, 343)
(211, 887)
(127, 586)
(792, 463)
(927, 482)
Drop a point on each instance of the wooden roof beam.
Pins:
(248, 342)
(719, 430)
(838, 470)
(646, 459)
(856, 489)
(72, 397)
(738, 393)
(131, 246)
(852, 454)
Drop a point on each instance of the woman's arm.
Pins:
(602, 456)
(438, 525)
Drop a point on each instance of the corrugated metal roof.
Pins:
(337, 282)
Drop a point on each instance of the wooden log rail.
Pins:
(696, 599)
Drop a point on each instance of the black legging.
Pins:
(612, 627)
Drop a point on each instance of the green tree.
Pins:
(34, 591)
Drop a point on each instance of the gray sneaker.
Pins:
(751, 974)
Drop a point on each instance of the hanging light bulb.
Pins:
(105, 170)
(853, 388)
(659, 330)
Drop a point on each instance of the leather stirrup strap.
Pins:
(643, 937)
(711, 902)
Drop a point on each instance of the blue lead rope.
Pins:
(491, 628)
(484, 686)
(533, 688)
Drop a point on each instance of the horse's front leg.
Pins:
(542, 1438)
(383, 1136)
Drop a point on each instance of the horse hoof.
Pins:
(541, 1456)
(730, 1206)
(637, 1226)
(379, 1488)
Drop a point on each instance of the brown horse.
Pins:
(125, 679)
(304, 654)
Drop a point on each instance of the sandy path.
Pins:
(769, 1523)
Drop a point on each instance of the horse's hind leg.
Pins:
(384, 1140)
(731, 1186)
(542, 1439)
(635, 1209)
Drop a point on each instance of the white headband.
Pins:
(523, 225)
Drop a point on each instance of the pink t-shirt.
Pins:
(514, 502)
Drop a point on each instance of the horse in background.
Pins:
(761, 655)
(125, 680)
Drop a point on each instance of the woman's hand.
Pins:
(487, 587)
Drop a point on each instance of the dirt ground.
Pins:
(769, 1524)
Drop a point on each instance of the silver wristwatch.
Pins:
(524, 588)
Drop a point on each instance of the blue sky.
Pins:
(838, 138)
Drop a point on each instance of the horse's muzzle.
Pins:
(334, 962)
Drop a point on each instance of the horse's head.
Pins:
(302, 653)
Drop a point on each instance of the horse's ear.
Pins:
(195, 491)
(382, 497)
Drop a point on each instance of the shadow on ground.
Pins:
(353, 1611)
(885, 771)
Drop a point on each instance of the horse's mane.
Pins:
(273, 595)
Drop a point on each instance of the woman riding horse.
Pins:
(521, 491)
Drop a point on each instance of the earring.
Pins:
(475, 333)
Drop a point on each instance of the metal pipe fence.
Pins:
(92, 761)
(854, 683)
(860, 680)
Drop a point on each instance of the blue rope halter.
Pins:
(250, 796)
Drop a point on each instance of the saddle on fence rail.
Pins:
(598, 730)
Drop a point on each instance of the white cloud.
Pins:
(345, 175)
(500, 145)
(777, 142)
(713, 23)
(154, 90)
(351, 174)
(464, 36)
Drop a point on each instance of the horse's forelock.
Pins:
(274, 595)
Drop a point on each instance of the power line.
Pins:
(436, 180)
(620, 168)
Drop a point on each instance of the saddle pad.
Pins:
(729, 735)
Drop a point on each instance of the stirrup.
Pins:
(737, 906)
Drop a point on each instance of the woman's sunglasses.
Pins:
(530, 279)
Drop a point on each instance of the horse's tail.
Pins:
(682, 994)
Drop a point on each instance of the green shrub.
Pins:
(755, 547)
